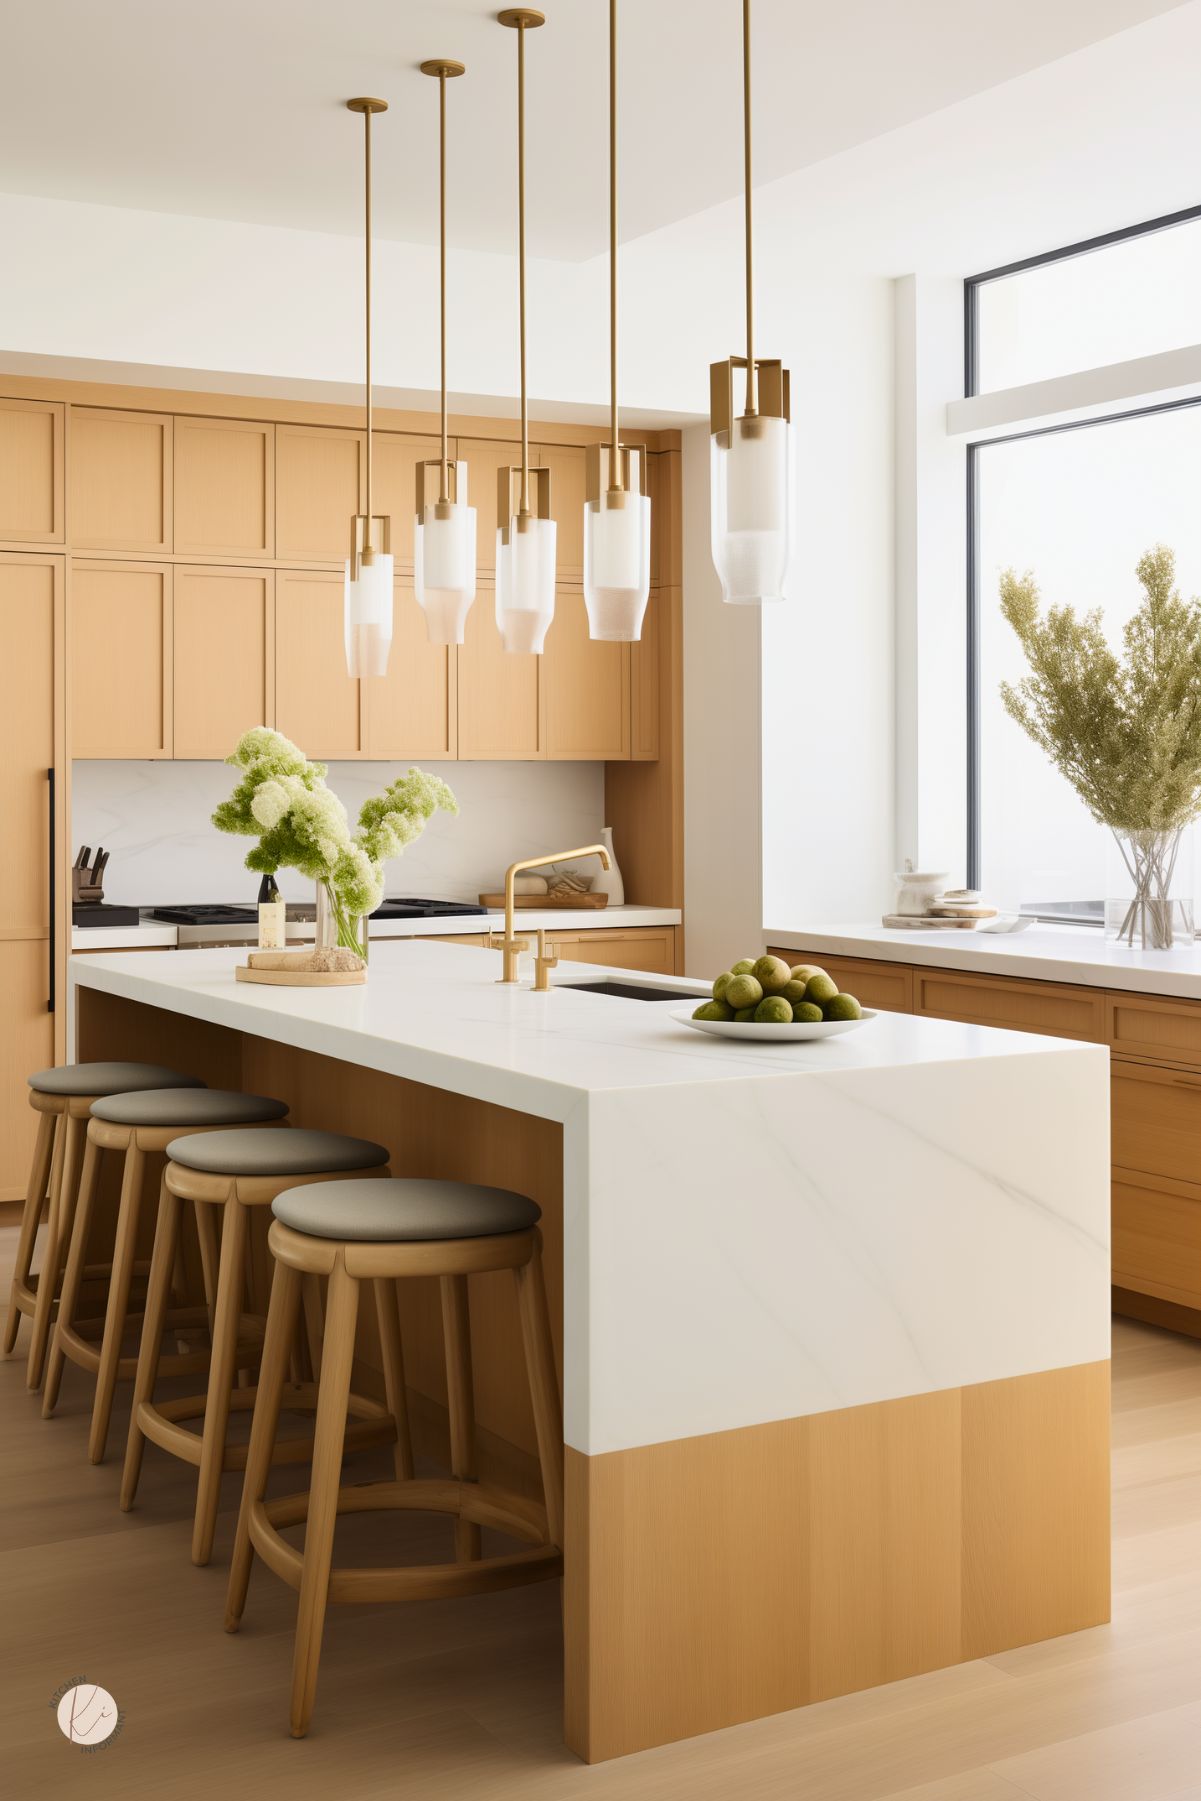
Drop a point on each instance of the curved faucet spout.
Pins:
(512, 945)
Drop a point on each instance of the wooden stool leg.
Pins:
(31, 1219)
(158, 1294)
(77, 1258)
(206, 1233)
(62, 1166)
(460, 1401)
(392, 1358)
(332, 1397)
(544, 1385)
(223, 1371)
(314, 1323)
(124, 1247)
(282, 1311)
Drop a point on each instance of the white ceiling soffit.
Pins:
(233, 110)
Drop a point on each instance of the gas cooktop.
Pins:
(423, 909)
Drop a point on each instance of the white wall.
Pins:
(155, 818)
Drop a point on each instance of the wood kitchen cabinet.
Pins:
(317, 704)
(120, 619)
(499, 695)
(31, 471)
(485, 457)
(120, 480)
(318, 478)
(887, 986)
(411, 712)
(587, 687)
(224, 488)
(648, 948)
(566, 464)
(224, 656)
(394, 480)
(32, 620)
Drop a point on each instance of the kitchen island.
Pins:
(833, 1318)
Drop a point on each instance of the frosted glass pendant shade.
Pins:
(525, 582)
(617, 564)
(444, 564)
(751, 508)
(367, 616)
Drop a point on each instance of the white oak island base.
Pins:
(833, 1335)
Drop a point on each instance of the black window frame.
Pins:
(971, 293)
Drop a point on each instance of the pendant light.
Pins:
(444, 534)
(617, 512)
(525, 535)
(367, 607)
(750, 456)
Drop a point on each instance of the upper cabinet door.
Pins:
(317, 704)
(587, 687)
(119, 632)
(484, 457)
(317, 487)
(31, 471)
(566, 465)
(224, 657)
(500, 694)
(224, 488)
(644, 681)
(120, 480)
(410, 712)
(395, 485)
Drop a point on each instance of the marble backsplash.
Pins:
(155, 820)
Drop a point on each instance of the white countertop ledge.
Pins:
(560, 920)
(1072, 954)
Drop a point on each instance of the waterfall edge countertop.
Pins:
(1041, 953)
(835, 1315)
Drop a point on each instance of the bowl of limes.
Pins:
(770, 1001)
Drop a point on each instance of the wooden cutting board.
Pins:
(550, 902)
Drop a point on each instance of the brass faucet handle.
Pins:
(511, 950)
(544, 962)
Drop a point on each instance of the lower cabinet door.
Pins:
(1155, 1117)
(1157, 1241)
(26, 1044)
(651, 948)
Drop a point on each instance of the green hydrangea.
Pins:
(282, 800)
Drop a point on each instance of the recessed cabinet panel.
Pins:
(410, 712)
(566, 465)
(650, 948)
(499, 692)
(485, 457)
(224, 663)
(26, 1044)
(395, 485)
(31, 471)
(587, 687)
(644, 681)
(1020, 1006)
(317, 485)
(224, 488)
(1157, 1242)
(120, 643)
(1156, 1120)
(120, 480)
(888, 986)
(317, 704)
(27, 629)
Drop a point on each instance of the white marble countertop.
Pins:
(154, 934)
(751, 1232)
(1042, 953)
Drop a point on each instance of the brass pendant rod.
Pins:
(444, 483)
(615, 472)
(525, 422)
(368, 549)
(751, 405)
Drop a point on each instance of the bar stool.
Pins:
(378, 1231)
(139, 1126)
(239, 1172)
(63, 1098)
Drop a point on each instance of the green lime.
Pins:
(806, 1012)
(743, 991)
(743, 967)
(843, 1006)
(720, 985)
(803, 971)
(745, 1013)
(793, 989)
(774, 1010)
(713, 1010)
(771, 973)
(820, 989)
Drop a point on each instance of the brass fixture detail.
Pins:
(598, 459)
(362, 547)
(511, 945)
(445, 69)
(522, 19)
(533, 485)
(544, 962)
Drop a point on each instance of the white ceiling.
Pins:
(233, 109)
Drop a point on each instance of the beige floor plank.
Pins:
(463, 1698)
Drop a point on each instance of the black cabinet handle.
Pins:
(53, 888)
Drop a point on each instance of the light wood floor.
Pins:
(462, 1699)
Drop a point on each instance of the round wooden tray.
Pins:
(285, 969)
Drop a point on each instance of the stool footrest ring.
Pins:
(159, 1422)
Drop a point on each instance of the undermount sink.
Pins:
(628, 991)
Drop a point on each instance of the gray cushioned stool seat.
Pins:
(402, 1209)
(291, 1153)
(188, 1107)
(109, 1078)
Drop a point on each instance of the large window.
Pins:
(1077, 505)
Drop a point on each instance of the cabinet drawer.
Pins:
(651, 949)
(885, 985)
(1143, 1026)
(1016, 1006)
(1156, 1119)
(1157, 1243)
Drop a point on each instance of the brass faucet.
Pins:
(511, 946)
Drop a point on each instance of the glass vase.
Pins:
(1150, 904)
(336, 928)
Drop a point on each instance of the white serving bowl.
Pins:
(752, 1031)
